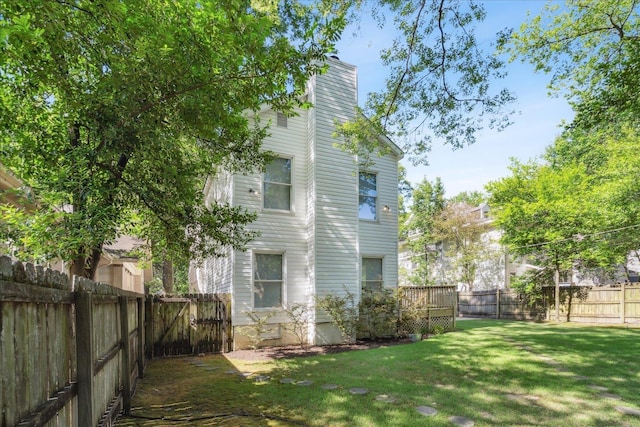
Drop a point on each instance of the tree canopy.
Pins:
(440, 84)
(567, 211)
(115, 112)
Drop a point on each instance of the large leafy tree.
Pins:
(440, 84)
(427, 202)
(461, 229)
(592, 51)
(114, 112)
(572, 211)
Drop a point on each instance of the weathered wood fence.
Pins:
(70, 352)
(192, 324)
(428, 308)
(613, 304)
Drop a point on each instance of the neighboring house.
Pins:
(326, 225)
(118, 267)
(491, 272)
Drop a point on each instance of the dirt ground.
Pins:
(271, 353)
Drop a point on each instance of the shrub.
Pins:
(343, 312)
(298, 313)
(378, 314)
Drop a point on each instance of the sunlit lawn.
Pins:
(492, 372)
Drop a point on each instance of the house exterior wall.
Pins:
(281, 232)
(321, 239)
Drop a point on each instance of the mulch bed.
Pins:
(286, 352)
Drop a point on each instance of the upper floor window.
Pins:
(277, 185)
(372, 274)
(267, 280)
(368, 196)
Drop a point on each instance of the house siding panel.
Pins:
(281, 232)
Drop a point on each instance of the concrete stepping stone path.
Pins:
(628, 411)
(610, 396)
(329, 386)
(597, 387)
(427, 411)
(358, 390)
(461, 421)
(385, 398)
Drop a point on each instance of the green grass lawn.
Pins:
(492, 372)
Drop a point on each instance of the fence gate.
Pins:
(191, 324)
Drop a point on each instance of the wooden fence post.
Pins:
(84, 354)
(149, 325)
(623, 303)
(125, 349)
(141, 337)
(497, 303)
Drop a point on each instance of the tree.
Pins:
(472, 198)
(115, 112)
(428, 201)
(440, 83)
(552, 217)
(592, 50)
(460, 229)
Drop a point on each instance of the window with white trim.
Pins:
(367, 196)
(277, 185)
(268, 280)
(372, 274)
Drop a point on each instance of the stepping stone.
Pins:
(597, 387)
(261, 378)
(287, 380)
(231, 371)
(581, 378)
(427, 411)
(304, 383)
(329, 386)
(385, 398)
(357, 390)
(610, 396)
(628, 411)
(461, 421)
(246, 374)
(211, 368)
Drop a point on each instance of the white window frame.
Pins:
(375, 216)
(290, 185)
(362, 271)
(283, 279)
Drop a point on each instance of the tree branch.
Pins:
(410, 48)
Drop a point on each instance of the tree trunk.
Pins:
(167, 276)
(86, 266)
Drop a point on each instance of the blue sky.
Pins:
(535, 124)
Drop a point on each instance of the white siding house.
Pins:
(309, 203)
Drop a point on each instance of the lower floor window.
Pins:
(372, 274)
(267, 280)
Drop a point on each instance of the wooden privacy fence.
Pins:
(427, 308)
(70, 353)
(191, 324)
(500, 304)
(613, 304)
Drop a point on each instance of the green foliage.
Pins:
(428, 201)
(343, 312)
(114, 113)
(591, 50)
(461, 230)
(298, 313)
(257, 329)
(577, 211)
(440, 82)
(377, 314)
